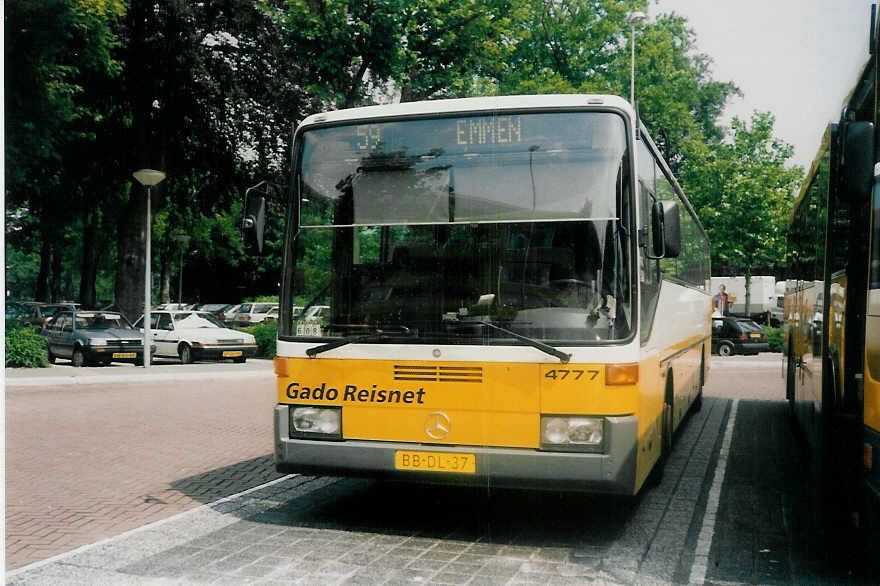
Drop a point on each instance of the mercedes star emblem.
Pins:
(437, 425)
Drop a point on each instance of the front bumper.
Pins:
(112, 354)
(226, 351)
(613, 471)
(752, 347)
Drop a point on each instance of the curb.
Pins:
(57, 381)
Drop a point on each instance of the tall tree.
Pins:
(54, 50)
(565, 46)
(744, 193)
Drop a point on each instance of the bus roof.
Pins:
(461, 105)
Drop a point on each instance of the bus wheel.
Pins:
(185, 353)
(725, 349)
(78, 358)
(656, 475)
(698, 401)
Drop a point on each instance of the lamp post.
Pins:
(148, 178)
(181, 240)
(633, 18)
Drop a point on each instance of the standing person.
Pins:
(722, 301)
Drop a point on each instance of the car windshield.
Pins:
(749, 326)
(196, 320)
(101, 321)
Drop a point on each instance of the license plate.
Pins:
(231, 353)
(124, 354)
(755, 335)
(435, 462)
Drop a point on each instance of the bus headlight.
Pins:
(316, 422)
(572, 433)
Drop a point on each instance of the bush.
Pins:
(265, 333)
(774, 337)
(25, 347)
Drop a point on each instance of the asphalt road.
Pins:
(116, 462)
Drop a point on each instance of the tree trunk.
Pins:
(42, 288)
(165, 281)
(56, 273)
(748, 293)
(89, 272)
(129, 287)
(68, 286)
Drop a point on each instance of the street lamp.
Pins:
(148, 178)
(633, 18)
(181, 239)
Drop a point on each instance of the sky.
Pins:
(798, 59)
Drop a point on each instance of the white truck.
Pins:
(765, 300)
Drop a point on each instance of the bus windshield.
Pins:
(427, 229)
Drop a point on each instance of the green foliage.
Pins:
(262, 299)
(101, 87)
(25, 347)
(775, 338)
(266, 335)
(743, 193)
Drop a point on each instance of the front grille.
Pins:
(439, 373)
(235, 341)
(123, 342)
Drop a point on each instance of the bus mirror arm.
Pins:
(253, 224)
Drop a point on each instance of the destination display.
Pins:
(487, 130)
(487, 168)
(468, 134)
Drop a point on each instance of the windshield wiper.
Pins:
(562, 356)
(377, 334)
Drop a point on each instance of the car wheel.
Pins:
(240, 359)
(185, 353)
(78, 359)
(725, 349)
(50, 355)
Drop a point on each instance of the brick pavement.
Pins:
(91, 461)
(304, 530)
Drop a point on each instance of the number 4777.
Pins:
(562, 374)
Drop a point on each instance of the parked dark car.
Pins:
(39, 314)
(93, 337)
(215, 308)
(735, 335)
(15, 313)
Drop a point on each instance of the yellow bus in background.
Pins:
(516, 294)
(832, 322)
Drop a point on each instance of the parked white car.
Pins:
(252, 313)
(197, 335)
(227, 315)
(316, 313)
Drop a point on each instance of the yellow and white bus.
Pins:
(515, 291)
(832, 318)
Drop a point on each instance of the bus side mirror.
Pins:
(857, 161)
(254, 223)
(666, 228)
